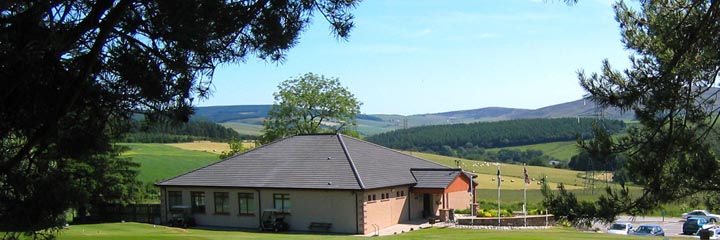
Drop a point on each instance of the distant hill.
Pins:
(247, 119)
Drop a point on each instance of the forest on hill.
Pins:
(470, 140)
(160, 131)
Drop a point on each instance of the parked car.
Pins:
(620, 228)
(702, 214)
(714, 231)
(692, 225)
(648, 230)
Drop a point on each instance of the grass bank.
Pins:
(137, 231)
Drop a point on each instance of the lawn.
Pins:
(137, 231)
(159, 161)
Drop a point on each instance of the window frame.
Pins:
(249, 199)
(194, 205)
(221, 202)
(284, 199)
(174, 197)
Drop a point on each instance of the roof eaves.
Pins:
(352, 163)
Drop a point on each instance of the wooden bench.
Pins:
(320, 226)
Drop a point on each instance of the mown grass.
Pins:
(137, 231)
(562, 151)
(159, 161)
(245, 128)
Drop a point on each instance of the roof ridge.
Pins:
(223, 160)
(352, 163)
(381, 146)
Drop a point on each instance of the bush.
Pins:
(463, 211)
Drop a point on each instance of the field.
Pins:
(137, 231)
(159, 161)
(207, 146)
(562, 151)
(244, 128)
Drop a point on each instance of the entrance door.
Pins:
(427, 205)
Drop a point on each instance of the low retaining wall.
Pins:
(532, 220)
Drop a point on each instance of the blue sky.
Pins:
(421, 56)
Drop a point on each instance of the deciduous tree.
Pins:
(310, 104)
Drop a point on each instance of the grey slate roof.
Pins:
(436, 178)
(310, 162)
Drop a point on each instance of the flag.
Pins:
(527, 178)
(498, 178)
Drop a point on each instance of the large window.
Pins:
(281, 201)
(222, 202)
(174, 198)
(246, 203)
(197, 202)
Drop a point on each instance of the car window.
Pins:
(618, 227)
(644, 229)
(692, 221)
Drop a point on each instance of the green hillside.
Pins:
(562, 151)
(158, 161)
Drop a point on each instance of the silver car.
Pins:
(620, 228)
(712, 218)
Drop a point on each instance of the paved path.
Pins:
(401, 228)
(671, 225)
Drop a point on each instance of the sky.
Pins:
(428, 56)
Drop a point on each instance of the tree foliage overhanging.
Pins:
(309, 104)
(74, 70)
(669, 87)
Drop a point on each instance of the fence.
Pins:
(144, 213)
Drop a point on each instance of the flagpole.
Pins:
(498, 178)
(525, 181)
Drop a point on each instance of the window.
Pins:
(174, 198)
(222, 203)
(197, 202)
(246, 203)
(369, 198)
(281, 201)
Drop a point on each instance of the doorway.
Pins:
(427, 206)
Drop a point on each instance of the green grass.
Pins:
(562, 151)
(137, 231)
(244, 128)
(159, 161)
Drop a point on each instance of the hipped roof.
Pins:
(311, 162)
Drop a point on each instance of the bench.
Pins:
(320, 226)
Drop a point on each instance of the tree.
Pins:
(669, 87)
(236, 147)
(75, 71)
(306, 104)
